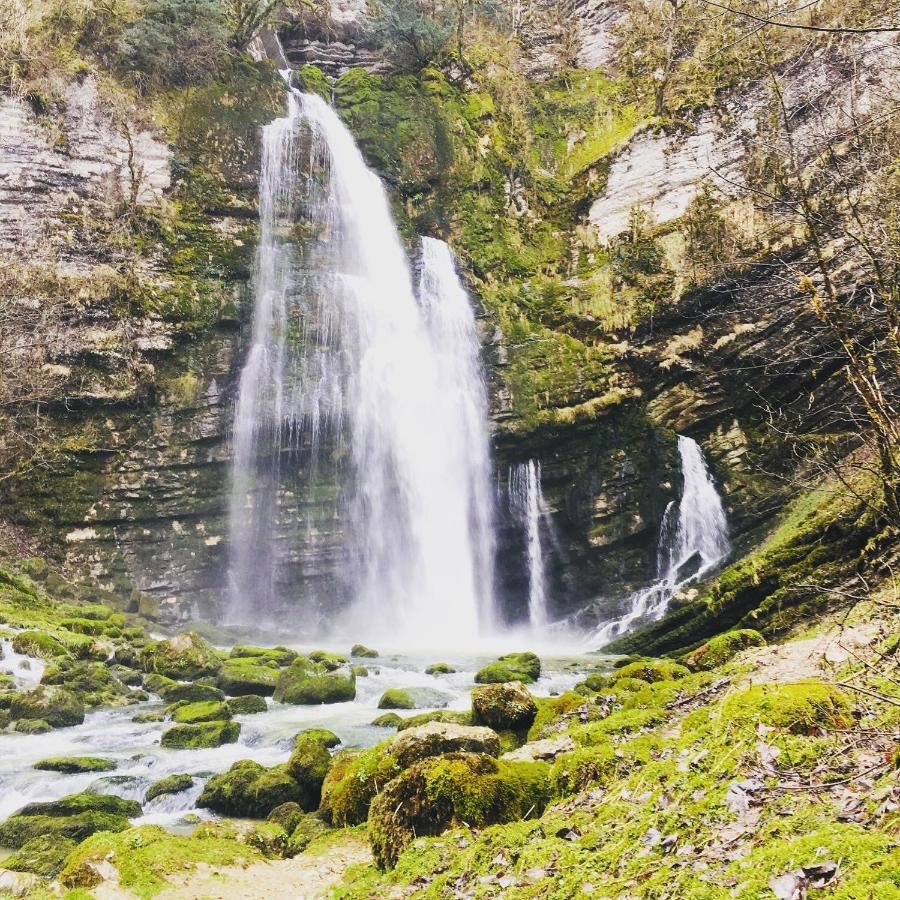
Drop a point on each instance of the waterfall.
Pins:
(342, 347)
(527, 505)
(693, 538)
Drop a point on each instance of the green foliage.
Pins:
(801, 707)
(650, 671)
(722, 648)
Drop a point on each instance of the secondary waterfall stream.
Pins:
(342, 348)
(527, 503)
(693, 539)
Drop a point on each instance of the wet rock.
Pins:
(187, 691)
(251, 790)
(44, 856)
(184, 657)
(54, 705)
(435, 738)
(307, 682)
(277, 656)
(70, 765)
(308, 765)
(524, 667)
(33, 726)
(204, 711)
(545, 750)
(247, 676)
(456, 716)
(361, 650)
(387, 720)
(287, 815)
(325, 737)
(504, 706)
(247, 704)
(413, 698)
(200, 736)
(440, 669)
(38, 643)
(330, 661)
(310, 827)
(172, 784)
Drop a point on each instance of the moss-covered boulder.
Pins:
(650, 670)
(72, 765)
(722, 648)
(592, 684)
(172, 784)
(308, 765)
(307, 829)
(251, 790)
(325, 737)
(93, 682)
(54, 705)
(455, 716)
(248, 676)
(247, 704)
(504, 707)
(435, 738)
(286, 815)
(413, 698)
(799, 706)
(440, 792)
(524, 667)
(386, 720)
(364, 652)
(307, 682)
(201, 735)
(330, 661)
(158, 684)
(276, 656)
(74, 817)
(185, 657)
(354, 778)
(203, 711)
(186, 691)
(44, 855)
(39, 644)
(33, 726)
(440, 668)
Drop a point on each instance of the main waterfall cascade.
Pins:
(342, 349)
(527, 506)
(693, 539)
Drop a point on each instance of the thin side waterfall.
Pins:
(344, 354)
(527, 504)
(693, 539)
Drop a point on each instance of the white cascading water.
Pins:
(527, 505)
(341, 345)
(688, 547)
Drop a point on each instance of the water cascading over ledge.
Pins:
(348, 370)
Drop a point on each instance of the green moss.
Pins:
(308, 765)
(53, 705)
(180, 692)
(171, 784)
(312, 80)
(200, 736)
(353, 780)
(247, 704)
(44, 855)
(308, 682)
(555, 713)
(505, 707)
(145, 857)
(249, 789)
(650, 671)
(363, 651)
(38, 643)
(321, 735)
(440, 669)
(720, 649)
(271, 656)
(387, 720)
(456, 716)
(308, 829)
(203, 711)
(434, 794)
(801, 706)
(524, 667)
(183, 657)
(71, 765)
(396, 698)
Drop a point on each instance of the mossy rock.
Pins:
(274, 656)
(440, 668)
(71, 765)
(354, 778)
(286, 815)
(54, 705)
(158, 684)
(800, 707)
(650, 671)
(246, 676)
(364, 652)
(524, 667)
(145, 718)
(438, 793)
(185, 657)
(360, 671)
(186, 692)
(309, 683)
(329, 661)
(171, 784)
(74, 817)
(456, 716)
(39, 644)
(504, 707)
(200, 736)
(203, 711)
(387, 720)
(413, 698)
(437, 738)
(251, 790)
(93, 682)
(309, 828)
(722, 648)
(325, 737)
(312, 80)
(555, 713)
(44, 855)
(308, 765)
(592, 684)
(247, 704)
(33, 726)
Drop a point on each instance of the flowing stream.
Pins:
(693, 539)
(344, 348)
(527, 505)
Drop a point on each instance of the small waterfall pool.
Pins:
(265, 737)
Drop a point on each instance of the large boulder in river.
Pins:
(200, 736)
(308, 682)
(439, 792)
(524, 667)
(506, 707)
(435, 738)
(184, 657)
(248, 675)
(251, 790)
(413, 698)
(54, 705)
(308, 765)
